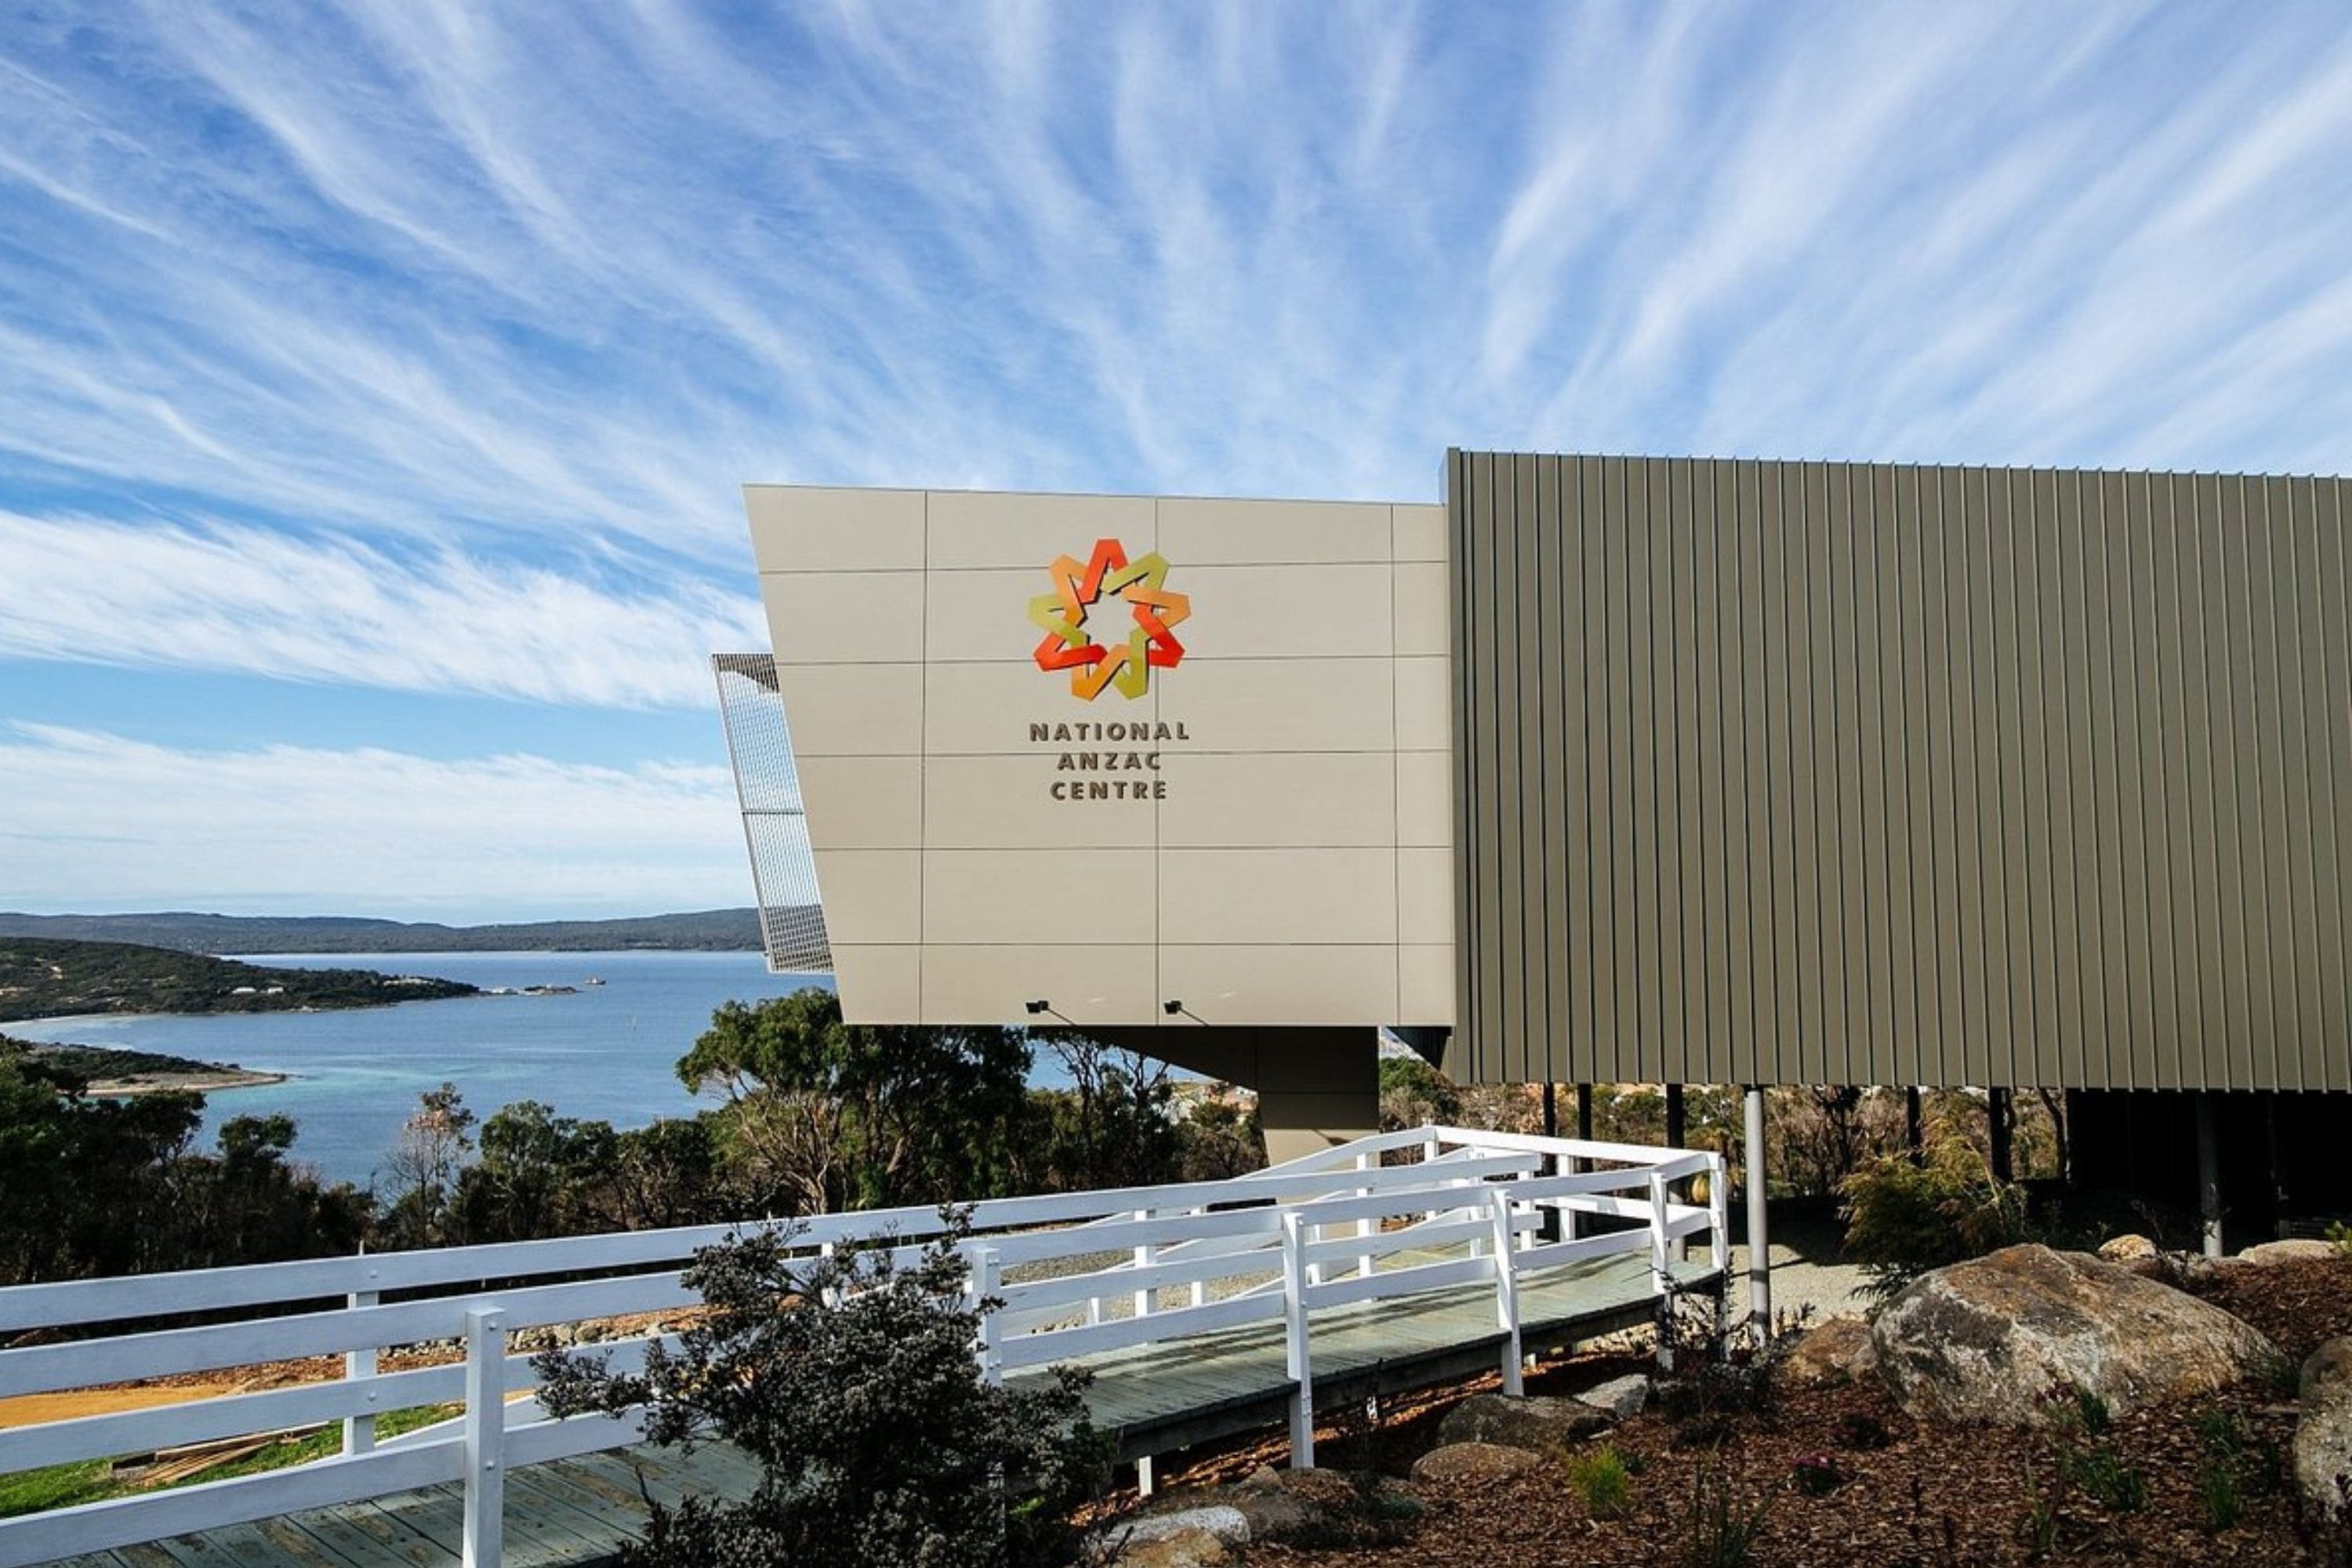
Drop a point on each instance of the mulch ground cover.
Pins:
(2156, 1487)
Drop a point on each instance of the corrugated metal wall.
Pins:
(1861, 773)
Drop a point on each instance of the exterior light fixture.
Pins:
(1037, 1007)
(1171, 1008)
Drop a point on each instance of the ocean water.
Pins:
(608, 1053)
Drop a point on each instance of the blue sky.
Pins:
(376, 381)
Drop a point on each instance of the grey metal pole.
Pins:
(2209, 1175)
(1759, 1241)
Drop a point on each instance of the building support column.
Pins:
(1915, 1136)
(2208, 1175)
(1551, 1226)
(1584, 1111)
(2000, 1123)
(1759, 1241)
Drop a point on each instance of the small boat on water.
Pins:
(595, 980)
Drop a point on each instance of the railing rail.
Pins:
(1070, 1274)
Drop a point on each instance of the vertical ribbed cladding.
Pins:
(1816, 771)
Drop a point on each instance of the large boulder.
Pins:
(1179, 1538)
(1840, 1351)
(1990, 1339)
(2322, 1431)
(1472, 1462)
(1539, 1422)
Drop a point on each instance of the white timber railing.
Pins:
(1065, 1275)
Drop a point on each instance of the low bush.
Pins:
(1903, 1219)
(850, 1379)
(1602, 1481)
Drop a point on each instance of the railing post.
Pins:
(1429, 1152)
(988, 1346)
(1718, 1243)
(1145, 1254)
(1200, 1287)
(1719, 1216)
(1507, 1290)
(1369, 1225)
(1299, 1364)
(1661, 1278)
(359, 1431)
(485, 1425)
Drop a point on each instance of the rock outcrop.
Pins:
(1989, 1339)
(1472, 1462)
(2301, 1249)
(1540, 1423)
(2322, 1429)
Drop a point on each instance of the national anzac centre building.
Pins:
(1604, 770)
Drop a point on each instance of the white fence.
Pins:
(1076, 1274)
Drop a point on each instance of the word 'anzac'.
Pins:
(1135, 760)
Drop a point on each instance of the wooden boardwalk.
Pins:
(1155, 1399)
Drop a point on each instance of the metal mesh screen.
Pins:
(784, 868)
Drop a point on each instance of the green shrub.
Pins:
(1903, 1219)
(1600, 1481)
(2340, 1233)
(851, 1380)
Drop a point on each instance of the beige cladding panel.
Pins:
(1290, 984)
(975, 528)
(1086, 984)
(1424, 800)
(983, 614)
(1886, 774)
(1267, 877)
(1278, 895)
(1424, 889)
(853, 709)
(1037, 896)
(1418, 533)
(1277, 800)
(844, 617)
(1423, 615)
(871, 895)
(1285, 611)
(800, 528)
(1254, 532)
(1282, 704)
(1424, 704)
(863, 803)
(1009, 802)
(878, 984)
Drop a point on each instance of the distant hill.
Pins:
(42, 978)
(704, 931)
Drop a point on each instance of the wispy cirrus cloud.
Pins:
(423, 344)
(98, 821)
(258, 601)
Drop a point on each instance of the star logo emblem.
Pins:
(1149, 644)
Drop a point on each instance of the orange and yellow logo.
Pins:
(1069, 646)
